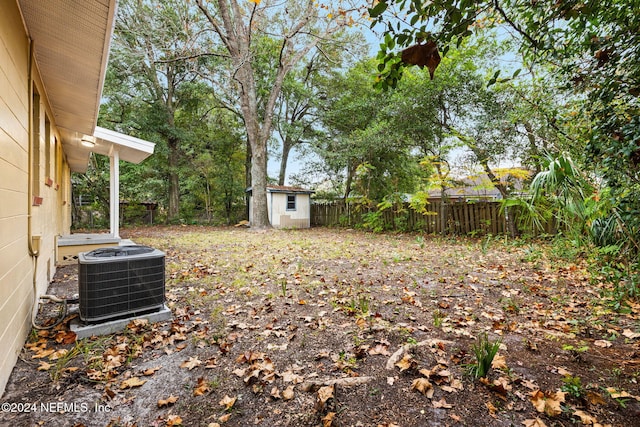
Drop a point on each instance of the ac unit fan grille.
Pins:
(120, 286)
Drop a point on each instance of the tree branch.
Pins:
(186, 58)
(533, 42)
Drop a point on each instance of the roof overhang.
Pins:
(283, 189)
(71, 41)
(107, 141)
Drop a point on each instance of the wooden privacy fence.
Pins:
(440, 218)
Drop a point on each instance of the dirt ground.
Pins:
(335, 327)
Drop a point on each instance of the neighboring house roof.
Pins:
(477, 186)
(71, 47)
(285, 189)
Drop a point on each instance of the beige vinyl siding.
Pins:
(16, 266)
(283, 218)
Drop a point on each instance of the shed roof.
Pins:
(284, 189)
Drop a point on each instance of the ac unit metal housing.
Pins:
(120, 281)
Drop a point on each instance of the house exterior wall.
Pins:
(21, 273)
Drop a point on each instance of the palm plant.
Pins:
(562, 187)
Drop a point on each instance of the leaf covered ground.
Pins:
(335, 327)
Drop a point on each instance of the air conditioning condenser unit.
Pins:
(120, 281)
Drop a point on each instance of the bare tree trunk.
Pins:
(351, 170)
(247, 177)
(260, 218)
(504, 192)
(174, 180)
(235, 23)
(286, 149)
(533, 147)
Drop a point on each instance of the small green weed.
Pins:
(510, 305)
(573, 386)
(438, 318)
(576, 351)
(484, 350)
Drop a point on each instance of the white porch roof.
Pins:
(132, 149)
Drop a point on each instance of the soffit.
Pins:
(71, 48)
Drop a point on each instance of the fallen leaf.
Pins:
(240, 372)
(379, 349)
(44, 366)
(595, 398)
(630, 334)
(537, 422)
(602, 343)
(151, 371)
(291, 377)
(275, 393)
(586, 418)
(132, 382)
(547, 402)
(168, 401)
(224, 418)
(227, 402)
(201, 388)
(501, 386)
(492, 409)
(424, 386)
(42, 353)
(325, 393)
(406, 362)
(442, 403)
(499, 362)
(619, 394)
(287, 394)
(94, 374)
(65, 337)
(191, 363)
(457, 384)
(174, 420)
(328, 419)
(562, 371)
(110, 393)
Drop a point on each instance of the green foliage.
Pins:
(572, 386)
(588, 55)
(438, 317)
(484, 351)
(152, 91)
(373, 221)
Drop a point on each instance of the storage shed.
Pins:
(288, 207)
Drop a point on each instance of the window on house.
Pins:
(58, 160)
(35, 146)
(47, 150)
(291, 202)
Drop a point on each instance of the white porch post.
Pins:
(114, 193)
